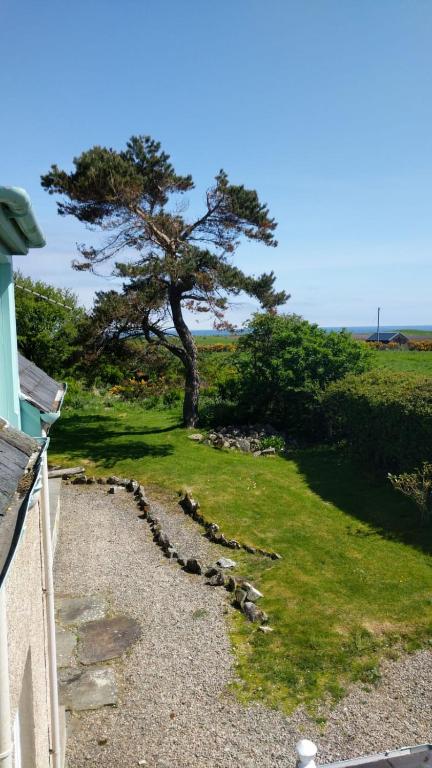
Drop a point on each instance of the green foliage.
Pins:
(273, 441)
(132, 196)
(355, 581)
(283, 365)
(47, 330)
(417, 486)
(385, 416)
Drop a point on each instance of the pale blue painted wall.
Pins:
(9, 375)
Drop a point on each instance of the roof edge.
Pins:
(19, 206)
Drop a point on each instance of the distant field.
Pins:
(414, 332)
(201, 341)
(420, 362)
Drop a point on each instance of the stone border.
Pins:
(245, 594)
(190, 507)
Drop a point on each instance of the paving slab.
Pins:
(79, 610)
(107, 638)
(88, 689)
(66, 643)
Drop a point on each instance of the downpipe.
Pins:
(50, 613)
(5, 712)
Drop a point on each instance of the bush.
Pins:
(386, 418)
(273, 441)
(283, 365)
(417, 486)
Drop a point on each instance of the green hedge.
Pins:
(385, 416)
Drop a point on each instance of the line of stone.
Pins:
(245, 594)
(190, 506)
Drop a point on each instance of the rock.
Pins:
(90, 689)
(106, 638)
(80, 480)
(193, 566)
(140, 492)
(225, 562)
(79, 610)
(231, 584)
(171, 552)
(268, 452)
(218, 580)
(249, 549)
(275, 556)
(244, 445)
(114, 489)
(265, 628)
(181, 561)
(233, 544)
(91, 480)
(197, 437)
(113, 480)
(163, 540)
(254, 613)
(222, 540)
(213, 528)
(101, 480)
(212, 571)
(253, 594)
(240, 596)
(257, 453)
(132, 486)
(189, 504)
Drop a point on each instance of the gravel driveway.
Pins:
(175, 709)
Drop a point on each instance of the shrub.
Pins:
(283, 365)
(273, 441)
(417, 486)
(385, 416)
(137, 389)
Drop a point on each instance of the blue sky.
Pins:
(323, 106)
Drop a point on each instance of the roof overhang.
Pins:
(19, 230)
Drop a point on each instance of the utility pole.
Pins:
(378, 324)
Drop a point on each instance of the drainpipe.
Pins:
(5, 713)
(49, 602)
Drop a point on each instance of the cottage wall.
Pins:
(27, 641)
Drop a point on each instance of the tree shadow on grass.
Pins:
(93, 437)
(337, 479)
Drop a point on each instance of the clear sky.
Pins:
(323, 106)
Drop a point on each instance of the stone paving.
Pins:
(97, 638)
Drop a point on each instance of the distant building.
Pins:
(394, 337)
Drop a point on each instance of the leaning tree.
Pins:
(169, 262)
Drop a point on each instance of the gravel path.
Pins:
(175, 708)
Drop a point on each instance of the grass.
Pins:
(355, 581)
(395, 360)
(215, 339)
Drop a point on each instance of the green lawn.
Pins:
(355, 581)
(395, 360)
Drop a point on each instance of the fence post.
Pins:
(306, 751)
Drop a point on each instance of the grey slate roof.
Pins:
(18, 452)
(38, 388)
(407, 757)
(386, 336)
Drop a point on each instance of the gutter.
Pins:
(19, 229)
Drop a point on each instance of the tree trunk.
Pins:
(190, 362)
(191, 395)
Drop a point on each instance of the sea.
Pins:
(352, 328)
